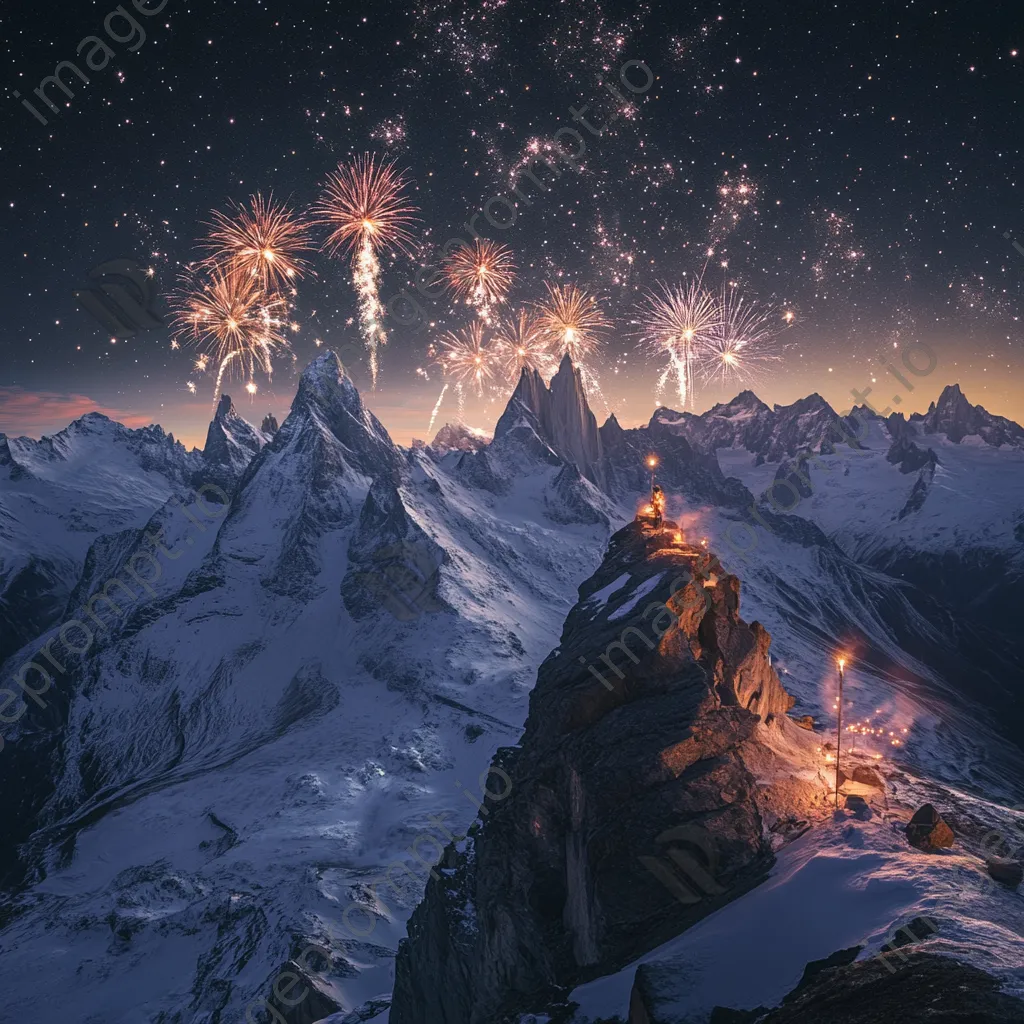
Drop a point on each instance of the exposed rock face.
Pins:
(231, 443)
(680, 466)
(927, 831)
(954, 416)
(627, 812)
(459, 437)
(269, 426)
(922, 487)
(559, 416)
(393, 564)
(923, 989)
(909, 456)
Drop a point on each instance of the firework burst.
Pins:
(682, 324)
(466, 358)
(239, 325)
(481, 274)
(264, 240)
(365, 206)
(571, 320)
(740, 349)
(523, 345)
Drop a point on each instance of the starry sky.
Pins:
(855, 166)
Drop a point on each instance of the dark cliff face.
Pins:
(627, 812)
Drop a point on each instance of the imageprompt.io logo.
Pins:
(120, 296)
(689, 869)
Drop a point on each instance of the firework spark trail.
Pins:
(264, 240)
(220, 376)
(365, 277)
(433, 415)
(680, 323)
(481, 275)
(363, 202)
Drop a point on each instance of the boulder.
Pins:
(927, 831)
(805, 722)
(296, 997)
(1002, 869)
(866, 776)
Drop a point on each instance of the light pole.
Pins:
(652, 464)
(839, 733)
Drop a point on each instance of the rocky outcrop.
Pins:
(922, 486)
(628, 811)
(681, 468)
(954, 416)
(919, 988)
(1002, 869)
(269, 426)
(393, 564)
(559, 416)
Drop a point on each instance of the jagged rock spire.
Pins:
(559, 415)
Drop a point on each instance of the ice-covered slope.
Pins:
(58, 494)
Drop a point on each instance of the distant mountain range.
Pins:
(249, 680)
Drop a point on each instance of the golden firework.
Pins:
(263, 239)
(571, 320)
(239, 325)
(481, 274)
(364, 205)
(741, 346)
(680, 322)
(523, 345)
(466, 358)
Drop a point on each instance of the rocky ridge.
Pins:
(637, 779)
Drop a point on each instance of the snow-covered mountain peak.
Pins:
(457, 436)
(327, 400)
(231, 441)
(954, 416)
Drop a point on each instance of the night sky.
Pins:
(878, 146)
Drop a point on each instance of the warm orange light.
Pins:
(651, 461)
(842, 662)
